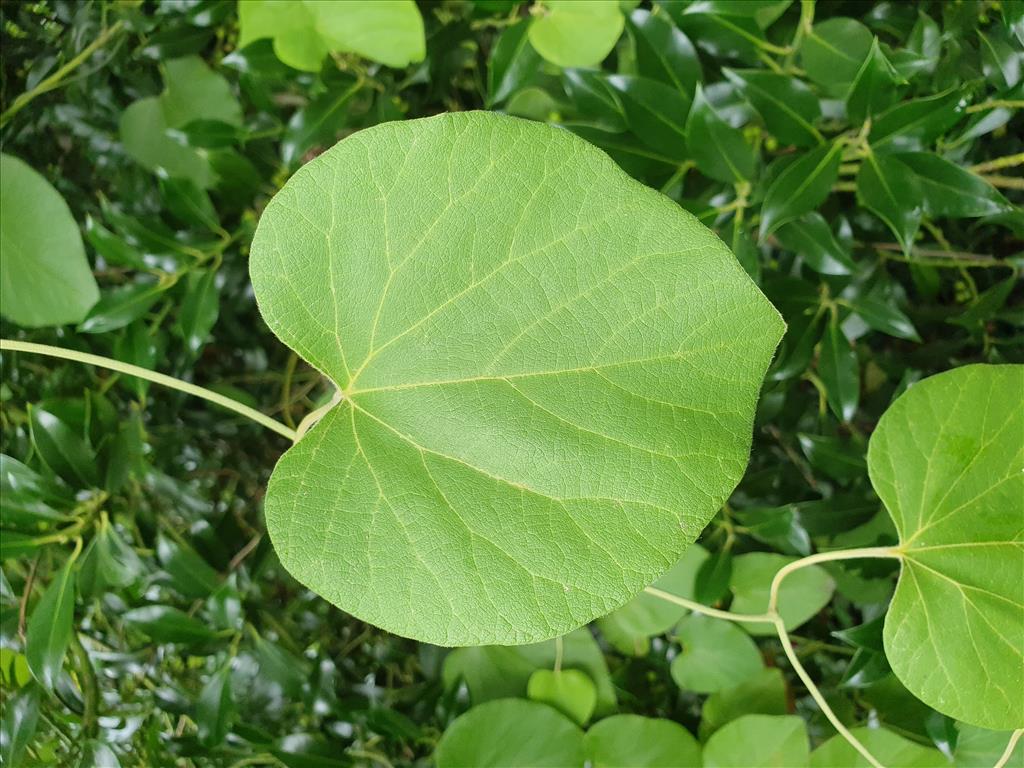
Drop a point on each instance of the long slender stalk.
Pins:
(157, 378)
(1008, 752)
(771, 616)
(55, 80)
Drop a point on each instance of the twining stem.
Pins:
(772, 616)
(157, 378)
(55, 80)
(1008, 752)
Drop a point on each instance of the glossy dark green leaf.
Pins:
(663, 51)
(126, 456)
(787, 106)
(595, 100)
(188, 203)
(839, 371)
(810, 237)
(215, 709)
(121, 306)
(913, 125)
(190, 575)
(207, 134)
(108, 561)
(96, 754)
(800, 187)
(874, 87)
(778, 527)
(720, 151)
(139, 347)
(18, 724)
(319, 122)
(1001, 60)
(63, 449)
(951, 191)
(837, 458)
(713, 577)
(50, 626)
(113, 249)
(833, 51)
(987, 304)
(889, 189)
(513, 63)
(29, 499)
(167, 625)
(199, 309)
(655, 112)
(925, 42)
(883, 315)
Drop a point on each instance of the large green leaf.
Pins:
(50, 626)
(548, 376)
(305, 31)
(631, 741)
(44, 276)
(511, 733)
(946, 460)
(753, 741)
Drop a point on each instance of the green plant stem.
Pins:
(55, 80)
(262, 419)
(1003, 182)
(772, 616)
(1008, 752)
(803, 27)
(995, 104)
(998, 163)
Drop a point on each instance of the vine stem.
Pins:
(262, 419)
(54, 80)
(1008, 752)
(772, 616)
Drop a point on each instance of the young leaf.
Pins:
(572, 34)
(801, 187)
(716, 654)
(833, 52)
(50, 627)
(640, 742)
(949, 190)
(788, 107)
(839, 371)
(513, 63)
(453, 343)
(803, 593)
(759, 741)
(121, 306)
(719, 150)
(46, 277)
(763, 694)
(663, 52)
(568, 690)
(946, 461)
(511, 732)
(889, 189)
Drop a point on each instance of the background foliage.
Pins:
(859, 159)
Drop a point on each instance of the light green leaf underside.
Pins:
(45, 278)
(549, 371)
(947, 460)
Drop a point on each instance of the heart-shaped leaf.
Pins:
(548, 375)
(640, 742)
(946, 459)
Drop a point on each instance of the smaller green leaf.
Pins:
(189, 573)
(28, 499)
(62, 449)
(143, 132)
(215, 708)
(656, 113)
(756, 741)
(121, 306)
(572, 34)
(510, 733)
(883, 315)
(833, 52)
(803, 593)
(762, 694)
(108, 562)
(114, 250)
(207, 134)
(96, 754)
(787, 106)
(885, 746)
(713, 578)
(513, 63)
(839, 371)
(663, 51)
(874, 87)
(836, 458)
(46, 277)
(949, 190)
(715, 655)
(50, 626)
(779, 527)
(199, 310)
(193, 92)
(168, 625)
(890, 189)
(567, 690)
(138, 347)
(188, 203)
(719, 150)
(801, 187)
(915, 125)
(318, 122)
(1001, 60)
(596, 100)
(631, 741)
(18, 724)
(811, 237)
(981, 748)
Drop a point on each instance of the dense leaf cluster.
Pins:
(860, 160)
